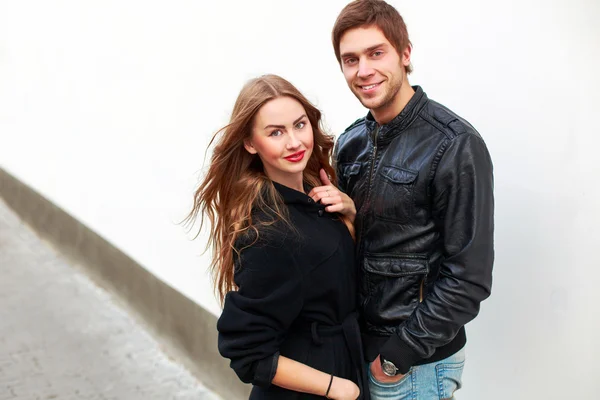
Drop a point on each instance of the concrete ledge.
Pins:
(187, 329)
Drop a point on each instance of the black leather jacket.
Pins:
(423, 189)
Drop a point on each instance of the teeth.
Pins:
(369, 87)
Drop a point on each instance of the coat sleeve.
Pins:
(256, 318)
(463, 209)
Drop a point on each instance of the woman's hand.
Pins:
(333, 198)
(343, 389)
(294, 375)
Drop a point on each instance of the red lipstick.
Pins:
(296, 157)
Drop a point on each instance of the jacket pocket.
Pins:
(392, 286)
(349, 176)
(393, 199)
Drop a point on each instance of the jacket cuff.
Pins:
(398, 352)
(265, 370)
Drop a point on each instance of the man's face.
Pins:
(372, 67)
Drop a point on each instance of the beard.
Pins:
(386, 96)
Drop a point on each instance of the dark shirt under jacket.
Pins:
(297, 297)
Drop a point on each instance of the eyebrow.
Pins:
(367, 50)
(283, 126)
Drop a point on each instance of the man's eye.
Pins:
(276, 133)
(349, 61)
(300, 125)
(378, 53)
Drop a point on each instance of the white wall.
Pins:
(106, 107)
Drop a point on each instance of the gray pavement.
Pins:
(62, 337)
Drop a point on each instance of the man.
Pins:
(421, 179)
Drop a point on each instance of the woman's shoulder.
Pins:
(263, 255)
(267, 227)
(266, 236)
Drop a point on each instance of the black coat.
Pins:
(297, 297)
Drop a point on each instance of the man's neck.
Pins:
(389, 112)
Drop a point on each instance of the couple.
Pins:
(353, 282)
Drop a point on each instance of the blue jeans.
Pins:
(435, 381)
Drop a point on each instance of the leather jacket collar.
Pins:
(393, 128)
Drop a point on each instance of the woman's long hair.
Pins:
(236, 182)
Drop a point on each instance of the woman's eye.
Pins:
(300, 125)
(276, 133)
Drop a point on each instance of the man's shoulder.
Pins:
(356, 124)
(357, 128)
(447, 121)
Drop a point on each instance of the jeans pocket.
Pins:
(402, 389)
(449, 378)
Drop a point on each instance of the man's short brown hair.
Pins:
(365, 13)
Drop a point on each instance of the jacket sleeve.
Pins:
(256, 317)
(463, 209)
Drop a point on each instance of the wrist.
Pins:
(352, 214)
(329, 393)
(339, 388)
(388, 367)
(398, 352)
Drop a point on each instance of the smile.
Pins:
(296, 157)
(369, 87)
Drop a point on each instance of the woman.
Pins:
(283, 249)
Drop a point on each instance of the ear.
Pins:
(249, 147)
(406, 55)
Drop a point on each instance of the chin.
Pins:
(368, 102)
(371, 104)
(296, 169)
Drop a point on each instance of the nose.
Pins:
(364, 69)
(293, 141)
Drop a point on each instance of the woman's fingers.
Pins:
(321, 192)
(339, 207)
(330, 198)
(335, 200)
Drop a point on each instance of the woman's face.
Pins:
(282, 136)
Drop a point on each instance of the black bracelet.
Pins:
(329, 387)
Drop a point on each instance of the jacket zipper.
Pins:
(368, 200)
(422, 284)
(373, 160)
(369, 191)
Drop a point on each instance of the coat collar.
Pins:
(408, 114)
(291, 196)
